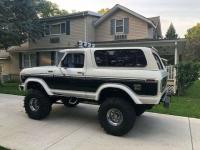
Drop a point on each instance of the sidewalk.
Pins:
(78, 129)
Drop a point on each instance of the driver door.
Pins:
(73, 70)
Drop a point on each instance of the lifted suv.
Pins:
(123, 81)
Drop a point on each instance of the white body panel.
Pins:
(150, 72)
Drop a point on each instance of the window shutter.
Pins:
(112, 26)
(126, 25)
(20, 60)
(52, 58)
(37, 58)
(63, 28)
(67, 27)
(47, 29)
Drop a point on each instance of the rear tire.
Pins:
(37, 104)
(117, 116)
(139, 112)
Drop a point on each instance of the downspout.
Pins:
(85, 26)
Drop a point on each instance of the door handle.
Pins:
(82, 73)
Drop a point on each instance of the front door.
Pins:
(73, 69)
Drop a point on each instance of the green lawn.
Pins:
(187, 105)
(2, 148)
(10, 88)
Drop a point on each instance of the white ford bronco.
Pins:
(123, 81)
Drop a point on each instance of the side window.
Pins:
(120, 58)
(158, 61)
(73, 60)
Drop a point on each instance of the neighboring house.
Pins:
(119, 24)
(4, 64)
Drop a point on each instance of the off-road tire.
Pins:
(128, 113)
(67, 104)
(43, 103)
(139, 112)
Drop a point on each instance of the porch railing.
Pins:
(172, 83)
(171, 72)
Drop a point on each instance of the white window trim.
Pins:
(52, 25)
(116, 25)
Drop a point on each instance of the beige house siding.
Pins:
(5, 67)
(14, 63)
(138, 29)
(90, 28)
(77, 33)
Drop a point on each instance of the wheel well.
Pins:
(111, 92)
(36, 86)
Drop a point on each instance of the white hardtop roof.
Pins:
(105, 48)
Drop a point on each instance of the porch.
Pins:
(170, 50)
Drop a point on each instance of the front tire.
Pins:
(117, 116)
(37, 104)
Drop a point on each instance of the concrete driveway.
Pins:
(78, 128)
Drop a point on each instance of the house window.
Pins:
(55, 29)
(28, 60)
(119, 26)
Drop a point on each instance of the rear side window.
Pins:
(158, 61)
(73, 60)
(120, 58)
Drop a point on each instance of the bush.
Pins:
(187, 73)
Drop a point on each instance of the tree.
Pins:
(103, 11)
(46, 8)
(171, 33)
(193, 43)
(18, 22)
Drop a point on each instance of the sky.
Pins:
(184, 14)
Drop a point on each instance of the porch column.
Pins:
(176, 53)
(175, 63)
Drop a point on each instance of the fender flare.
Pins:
(41, 82)
(118, 86)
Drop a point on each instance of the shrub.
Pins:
(187, 73)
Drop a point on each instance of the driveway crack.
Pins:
(61, 138)
(191, 138)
